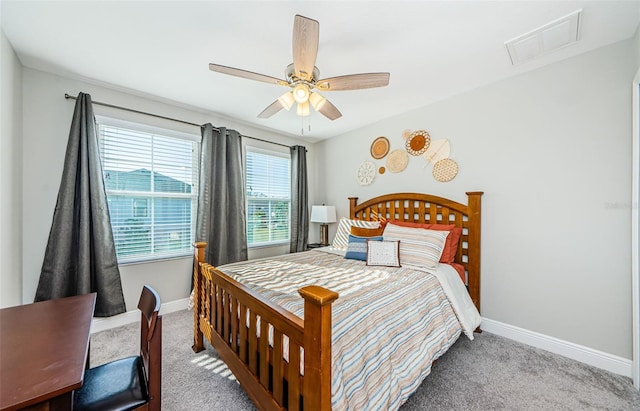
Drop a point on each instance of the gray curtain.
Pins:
(80, 257)
(221, 220)
(299, 200)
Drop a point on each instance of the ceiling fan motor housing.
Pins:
(290, 75)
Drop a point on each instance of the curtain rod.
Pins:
(67, 96)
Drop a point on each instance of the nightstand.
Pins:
(314, 245)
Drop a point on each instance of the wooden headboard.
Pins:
(430, 209)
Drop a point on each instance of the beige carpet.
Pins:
(489, 373)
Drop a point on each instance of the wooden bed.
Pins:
(227, 312)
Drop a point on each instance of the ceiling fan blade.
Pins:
(246, 74)
(353, 82)
(306, 34)
(271, 110)
(329, 110)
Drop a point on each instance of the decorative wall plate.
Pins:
(445, 170)
(397, 161)
(366, 173)
(438, 150)
(380, 147)
(418, 142)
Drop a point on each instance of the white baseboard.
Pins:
(609, 362)
(101, 324)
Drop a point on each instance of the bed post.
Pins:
(473, 214)
(316, 389)
(353, 201)
(198, 344)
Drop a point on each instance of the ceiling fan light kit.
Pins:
(302, 76)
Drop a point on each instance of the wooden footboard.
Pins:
(261, 342)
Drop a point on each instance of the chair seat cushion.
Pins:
(119, 385)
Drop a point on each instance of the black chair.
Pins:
(130, 383)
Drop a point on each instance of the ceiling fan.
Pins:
(302, 76)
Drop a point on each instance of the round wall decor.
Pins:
(445, 170)
(397, 161)
(380, 147)
(418, 142)
(366, 173)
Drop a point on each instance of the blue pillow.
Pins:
(357, 247)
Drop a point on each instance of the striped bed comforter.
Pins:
(388, 325)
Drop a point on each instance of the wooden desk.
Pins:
(43, 352)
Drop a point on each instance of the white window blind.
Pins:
(268, 187)
(151, 184)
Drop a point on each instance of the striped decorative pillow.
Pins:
(341, 239)
(357, 249)
(419, 247)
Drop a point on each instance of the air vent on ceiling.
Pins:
(546, 39)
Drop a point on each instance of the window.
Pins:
(151, 182)
(268, 180)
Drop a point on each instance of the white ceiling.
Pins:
(433, 49)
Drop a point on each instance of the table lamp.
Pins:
(323, 214)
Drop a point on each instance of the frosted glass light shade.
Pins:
(317, 101)
(303, 109)
(287, 100)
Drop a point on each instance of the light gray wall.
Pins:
(47, 118)
(10, 175)
(551, 150)
(637, 46)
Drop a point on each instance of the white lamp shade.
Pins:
(323, 214)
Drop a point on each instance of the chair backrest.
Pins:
(151, 343)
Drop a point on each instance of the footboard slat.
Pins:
(277, 367)
(253, 343)
(234, 324)
(219, 295)
(294, 377)
(226, 326)
(243, 340)
(263, 345)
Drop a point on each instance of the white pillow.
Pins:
(419, 247)
(385, 253)
(341, 239)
